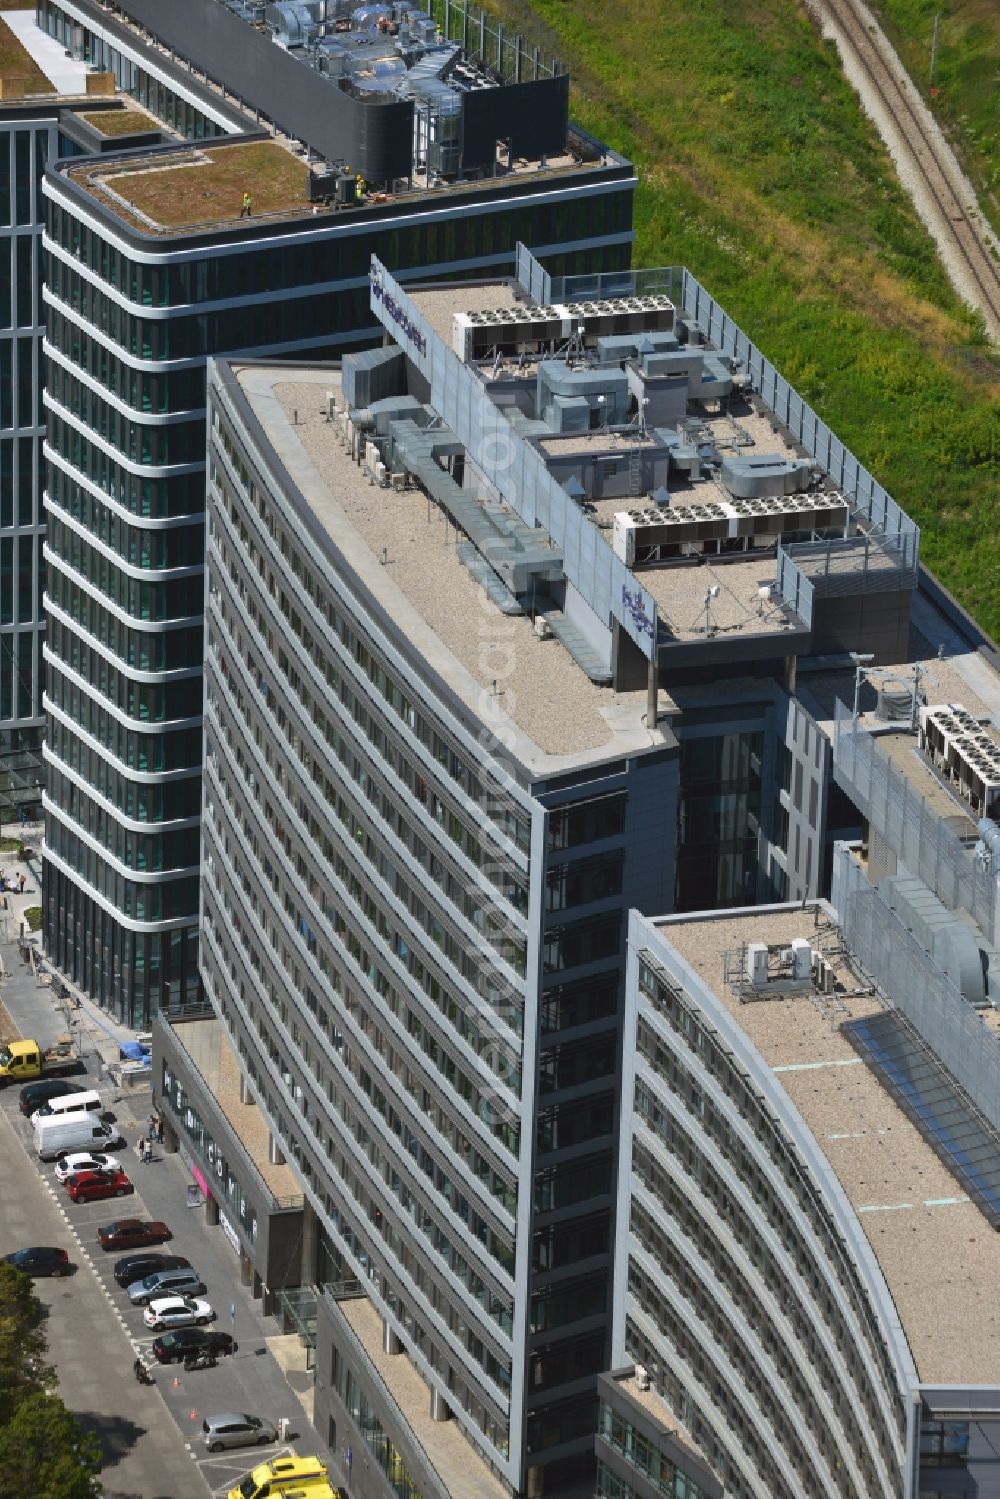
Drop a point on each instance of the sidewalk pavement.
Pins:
(13, 903)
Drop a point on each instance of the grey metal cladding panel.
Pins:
(376, 141)
(573, 552)
(548, 512)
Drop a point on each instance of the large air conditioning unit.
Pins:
(756, 970)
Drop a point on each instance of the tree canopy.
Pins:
(44, 1451)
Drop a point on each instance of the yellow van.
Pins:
(286, 1476)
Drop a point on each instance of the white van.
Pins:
(86, 1102)
(56, 1136)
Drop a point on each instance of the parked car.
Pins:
(234, 1430)
(133, 1233)
(135, 1267)
(34, 1095)
(181, 1282)
(41, 1259)
(59, 1135)
(85, 1160)
(177, 1311)
(75, 1105)
(92, 1186)
(173, 1347)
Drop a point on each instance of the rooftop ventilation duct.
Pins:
(293, 24)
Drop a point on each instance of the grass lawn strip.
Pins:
(16, 63)
(208, 186)
(966, 79)
(120, 121)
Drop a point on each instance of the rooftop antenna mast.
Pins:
(707, 621)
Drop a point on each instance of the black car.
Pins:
(137, 1266)
(173, 1347)
(40, 1260)
(33, 1095)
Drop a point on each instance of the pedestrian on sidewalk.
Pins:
(151, 1129)
(23, 880)
(159, 1130)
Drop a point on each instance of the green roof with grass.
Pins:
(120, 121)
(206, 186)
(17, 67)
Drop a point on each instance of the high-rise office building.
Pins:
(394, 137)
(502, 625)
(43, 97)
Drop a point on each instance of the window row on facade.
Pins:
(19, 487)
(151, 548)
(156, 601)
(18, 675)
(20, 274)
(134, 971)
(193, 335)
(396, 1219)
(76, 463)
(172, 749)
(23, 154)
(155, 442)
(20, 593)
(140, 801)
(161, 900)
(20, 381)
(773, 1174)
(79, 623)
(313, 260)
(643, 1455)
(445, 1058)
(171, 701)
(150, 391)
(143, 852)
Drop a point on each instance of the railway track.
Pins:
(959, 231)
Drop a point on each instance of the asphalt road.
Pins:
(151, 1436)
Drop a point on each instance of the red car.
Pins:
(132, 1233)
(91, 1186)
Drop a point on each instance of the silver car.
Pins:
(165, 1283)
(234, 1430)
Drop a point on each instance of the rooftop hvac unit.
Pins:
(801, 958)
(641, 1378)
(292, 24)
(757, 964)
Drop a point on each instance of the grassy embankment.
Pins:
(966, 77)
(759, 171)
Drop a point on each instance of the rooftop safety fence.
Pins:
(915, 985)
